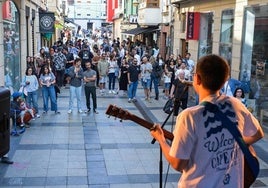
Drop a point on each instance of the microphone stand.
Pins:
(160, 152)
(162, 126)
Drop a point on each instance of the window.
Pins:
(11, 45)
(205, 34)
(152, 4)
(183, 22)
(226, 35)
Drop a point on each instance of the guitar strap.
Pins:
(232, 128)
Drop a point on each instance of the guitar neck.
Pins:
(149, 125)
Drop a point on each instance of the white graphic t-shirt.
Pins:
(215, 159)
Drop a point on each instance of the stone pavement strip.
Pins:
(95, 151)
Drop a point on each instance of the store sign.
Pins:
(193, 24)
(46, 22)
(6, 11)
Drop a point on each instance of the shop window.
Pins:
(11, 27)
(254, 57)
(226, 34)
(205, 34)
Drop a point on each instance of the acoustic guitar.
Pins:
(122, 114)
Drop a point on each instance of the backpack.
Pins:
(85, 54)
(59, 62)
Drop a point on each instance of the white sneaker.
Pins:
(69, 111)
(114, 92)
(37, 115)
(110, 91)
(80, 111)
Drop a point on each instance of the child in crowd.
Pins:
(24, 109)
(167, 82)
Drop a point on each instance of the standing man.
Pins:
(86, 56)
(90, 77)
(59, 62)
(76, 75)
(146, 70)
(204, 150)
(190, 66)
(103, 66)
(133, 80)
(69, 62)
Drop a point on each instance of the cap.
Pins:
(16, 95)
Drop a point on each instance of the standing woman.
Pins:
(171, 69)
(123, 80)
(30, 63)
(47, 80)
(76, 75)
(111, 73)
(31, 85)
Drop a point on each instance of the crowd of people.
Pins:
(126, 62)
(115, 66)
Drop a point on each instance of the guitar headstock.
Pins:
(115, 111)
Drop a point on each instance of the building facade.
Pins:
(21, 36)
(90, 15)
(19, 24)
(236, 30)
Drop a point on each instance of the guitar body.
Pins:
(249, 177)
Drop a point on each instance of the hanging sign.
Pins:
(46, 22)
(193, 24)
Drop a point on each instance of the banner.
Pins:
(46, 22)
(193, 24)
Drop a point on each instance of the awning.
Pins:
(68, 20)
(140, 30)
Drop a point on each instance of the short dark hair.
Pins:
(77, 59)
(213, 71)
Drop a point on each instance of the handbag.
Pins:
(168, 108)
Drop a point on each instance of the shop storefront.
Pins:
(254, 53)
(11, 43)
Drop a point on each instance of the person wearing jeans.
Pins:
(111, 73)
(90, 77)
(47, 80)
(30, 83)
(76, 75)
(133, 80)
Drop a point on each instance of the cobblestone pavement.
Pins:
(94, 151)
